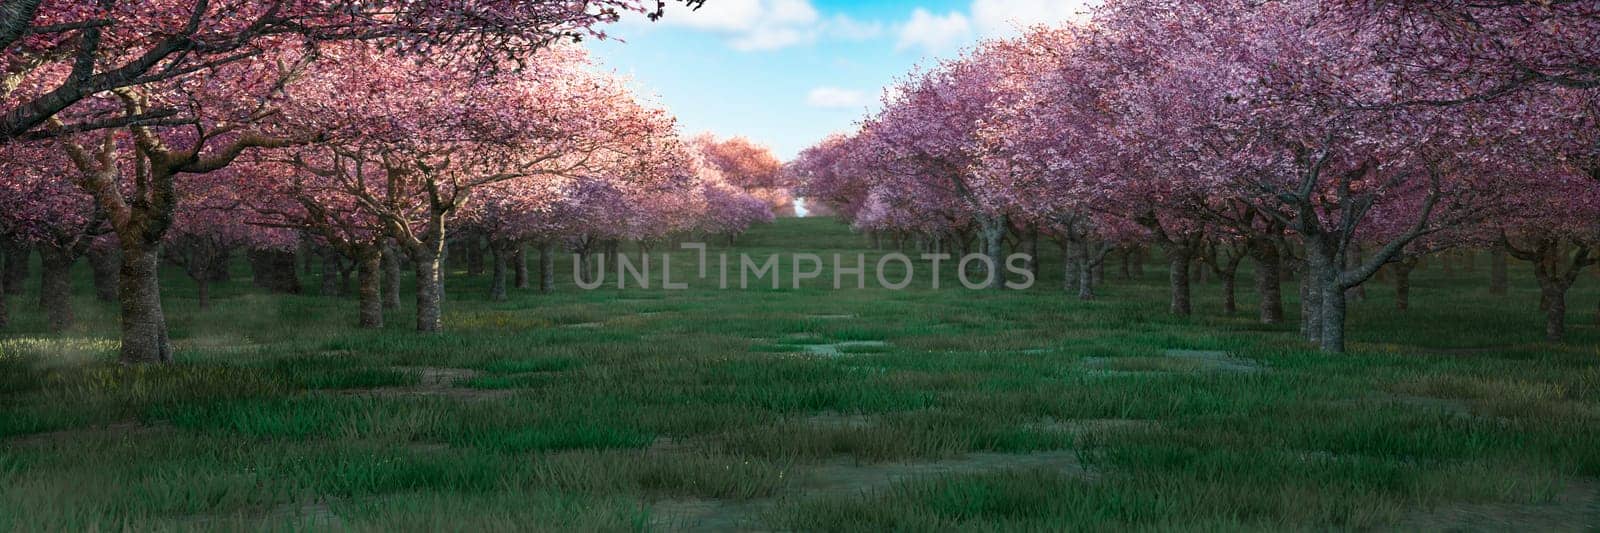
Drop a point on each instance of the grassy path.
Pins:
(807, 409)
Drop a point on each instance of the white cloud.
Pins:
(755, 25)
(850, 29)
(1006, 17)
(934, 33)
(835, 98)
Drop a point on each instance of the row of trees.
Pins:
(1335, 139)
(180, 131)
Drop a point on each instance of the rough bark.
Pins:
(1180, 258)
(103, 262)
(501, 258)
(547, 267)
(391, 278)
(1402, 282)
(430, 291)
(330, 271)
(1555, 322)
(144, 324)
(1269, 281)
(519, 262)
(370, 295)
(1069, 267)
(994, 233)
(1311, 301)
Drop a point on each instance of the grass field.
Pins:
(807, 409)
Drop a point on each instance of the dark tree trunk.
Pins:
(1032, 249)
(1402, 282)
(1498, 282)
(501, 257)
(55, 287)
(1125, 260)
(430, 293)
(16, 267)
(305, 254)
(144, 324)
(275, 270)
(103, 262)
(1069, 267)
(1269, 281)
(219, 269)
(547, 267)
(994, 233)
(1230, 303)
(1555, 315)
(203, 288)
(519, 262)
(1311, 300)
(1354, 259)
(391, 278)
(330, 272)
(369, 268)
(5, 311)
(1180, 258)
(1139, 256)
(474, 250)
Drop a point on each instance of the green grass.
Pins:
(652, 409)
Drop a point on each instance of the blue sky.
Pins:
(786, 73)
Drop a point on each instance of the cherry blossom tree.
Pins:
(87, 47)
(50, 215)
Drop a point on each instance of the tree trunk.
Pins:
(1269, 282)
(501, 256)
(1086, 283)
(1311, 300)
(474, 251)
(519, 262)
(1069, 267)
(370, 294)
(1353, 260)
(1329, 303)
(391, 278)
(55, 287)
(144, 325)
(305, 254)
(16, 268)
(547, 267)
(430, 291)
(275, 270)
(330, 272)
(1555, 321)
(203, 288)
(1402, 283)
(1230, 304)
(1334, 311)
(220, 268)
(1033, 251)
(1180, 259)
(1498, 283)
(994, 233)
(103, 263)
(5, 311)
